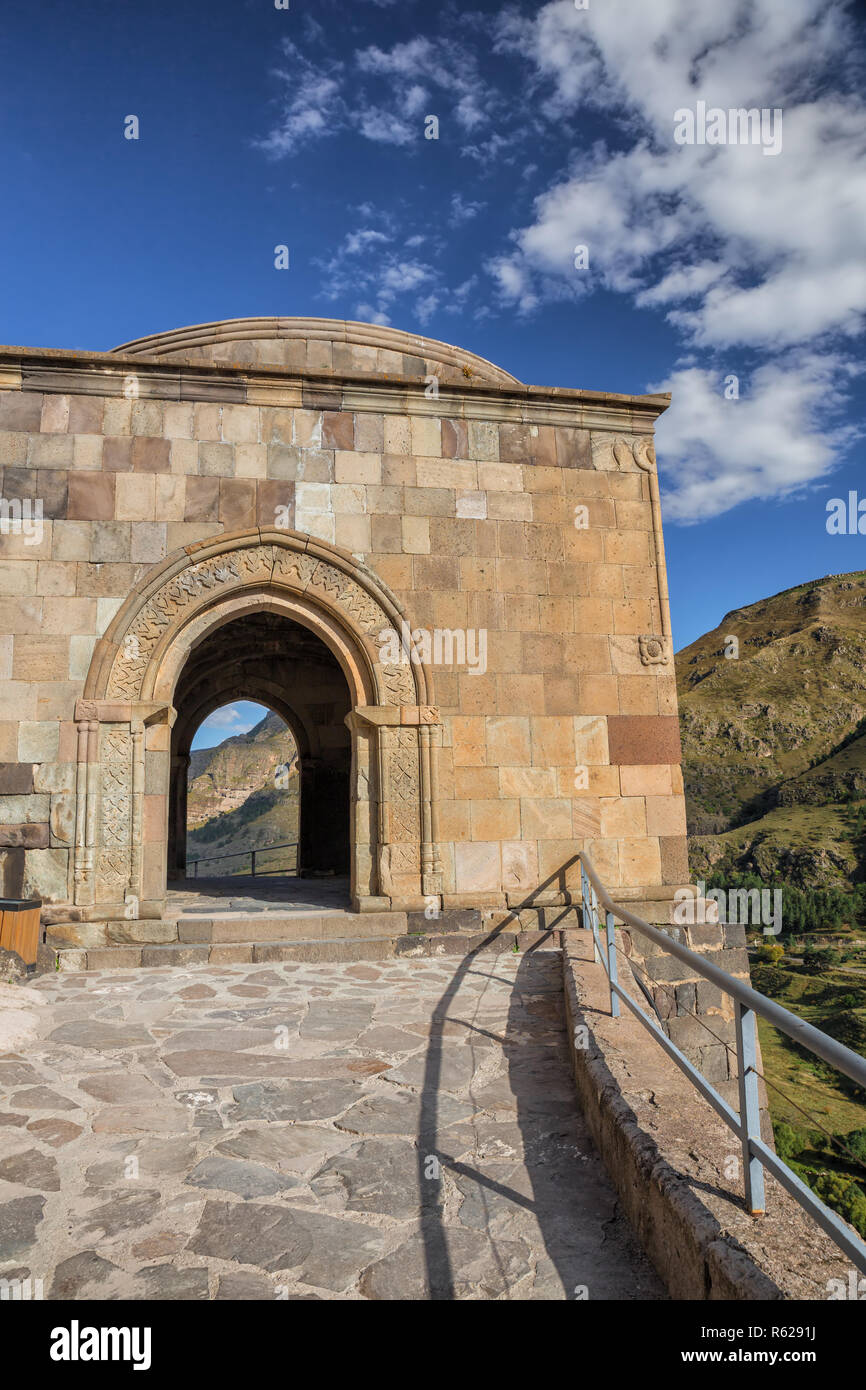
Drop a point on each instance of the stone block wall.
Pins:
(526, 514)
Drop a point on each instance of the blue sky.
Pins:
(261, 126)
(223, 723)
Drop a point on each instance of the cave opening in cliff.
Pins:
(270, 700)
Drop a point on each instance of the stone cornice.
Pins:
(63, 371)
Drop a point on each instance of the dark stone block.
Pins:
(16, 779)
(31, 836)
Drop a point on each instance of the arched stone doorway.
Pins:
(278, 663)
(128, 712)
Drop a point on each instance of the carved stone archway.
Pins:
(126, 713)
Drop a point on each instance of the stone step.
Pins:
(341, 926)
(370, 948)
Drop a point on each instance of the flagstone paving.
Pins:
(403, 1130)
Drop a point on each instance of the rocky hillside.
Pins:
(774, 736)
(243, 794)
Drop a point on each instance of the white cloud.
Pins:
(774, 441)
(463, 210)
(759, 251)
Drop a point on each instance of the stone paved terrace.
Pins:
(282, 1122)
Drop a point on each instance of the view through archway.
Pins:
(261, 757)
(243, 794)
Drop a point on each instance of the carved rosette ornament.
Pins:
(654, 651)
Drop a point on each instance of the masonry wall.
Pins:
(568, 739)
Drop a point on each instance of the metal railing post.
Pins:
(611, 964)
(253, 858)
(750, 1110)
(594, 917)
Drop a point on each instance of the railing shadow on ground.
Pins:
(546, 1179)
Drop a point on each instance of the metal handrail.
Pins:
(749, 1003)
(239, 853)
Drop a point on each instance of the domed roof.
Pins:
(323, 345)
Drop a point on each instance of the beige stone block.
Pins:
(353, 467)
(135, 495)
(251, 461)
(240, 424)
(586, 818)
(633, 516)
(207, 421)
(318, 524)
(38, 741)
(640, 862)
(519, 866)
(416, 535)
(483, 440)
(178, 422)
(18, 577)
(622, 816)
(169, 497)
(494, 819)
(353, 533)
(590, 740)
(6, 649)
(558, 864)
(650, 780)
(50, 450)
(552, 741)
(665, 815)
(68, 615)
(545, 817)
(637, 694)
(468, 741)
(40, 658)
(369, 432)
(472, 504)
(87, 452)
(508, 741)
(627, 547)
(426, 437)
(105, 611)
(477, 867)
(605, 857)
(447, 473)
(80, 653)
(22, 615)
(21, 546)
(527, 782)
(55, 414)
(397, 435)
(147, 418)
(17, 699)
(8, 742)
(307, 429)
(184, 456)
(500, 477)
(509, 506)
(349, 498)
(55, 577)
(582, 781)
(118, 416)
(454, 820)
(182, 533)
(46, 874)
(70, 540)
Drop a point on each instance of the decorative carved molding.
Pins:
(644, 453)
(654, 650)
